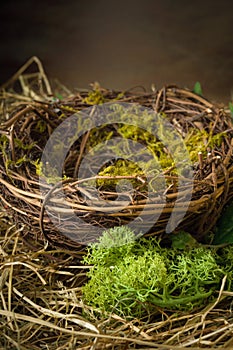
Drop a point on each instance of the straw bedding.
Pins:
(41, 307)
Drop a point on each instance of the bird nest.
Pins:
(65, 208)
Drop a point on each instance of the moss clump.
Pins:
(124, 168)
(133, 278)
(200, 140)
(160, 159)
(155, 146)
(98, 135)
(152, 157)
(94, 97)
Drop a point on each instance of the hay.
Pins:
(33, 114)
(41, 304)
(41, 307)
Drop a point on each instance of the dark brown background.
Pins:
(123, 43)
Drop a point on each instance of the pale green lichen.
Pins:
(131, 279)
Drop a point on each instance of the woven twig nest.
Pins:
(31, 123)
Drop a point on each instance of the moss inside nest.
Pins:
(155, 160)
(200, 141)
(121, 169)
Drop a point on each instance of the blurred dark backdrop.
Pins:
(121, 44)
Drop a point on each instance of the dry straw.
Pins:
(41, 303)
(41, 307)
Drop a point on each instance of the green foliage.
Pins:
(131, 279)
(231, 109)
(183, 240)
(224, 226)
(59, 96)
(197, 88)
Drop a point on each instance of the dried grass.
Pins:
(41, 307)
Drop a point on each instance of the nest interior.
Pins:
(28, 121)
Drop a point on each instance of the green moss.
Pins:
(4, 146)
(153, 157)
(20, 145)
(98, 135)
(38, 165)
(121, 167)
(94, 97)
(41, 126)
(161, 158)
(131, 279)
(199, 140)
(155, 146)
(48, 173)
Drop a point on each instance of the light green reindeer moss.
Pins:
(132, 279)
